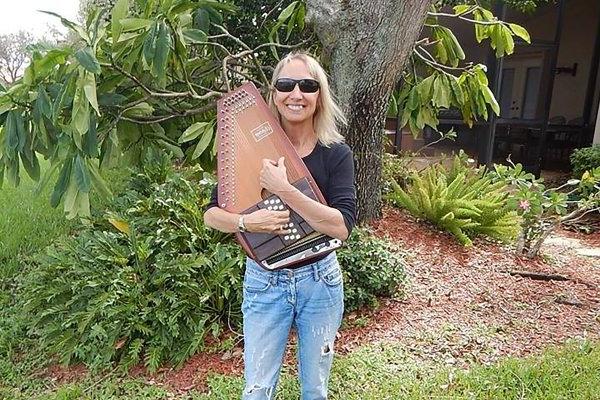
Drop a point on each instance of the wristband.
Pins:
(241, 226)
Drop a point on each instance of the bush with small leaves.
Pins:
(372, 268)
(585, 159)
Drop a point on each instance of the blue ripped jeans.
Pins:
(311, 299)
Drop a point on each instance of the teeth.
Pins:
(295, 107)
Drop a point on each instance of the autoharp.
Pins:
(247, 133)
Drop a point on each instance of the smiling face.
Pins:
(295, 106)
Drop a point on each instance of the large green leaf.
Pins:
(455, 45)
(109, 150)
(182, 8)
(12, 170)
(458, 96)
(441, 91)
(11, 135)
(520, 32)
(161, 56)
(508, 40)
(287, 12)
(119, 12)
(70, 204)
(149, 47)
(192, 132)
(81, 174)
(48, 174)
(133, 24)
(61, 184)
(194, 36)
(31, 164)
(203, 142)
(142, 110)
(88, 60)
(490, 99)
(67, 89)
(90, 140)
(413, 99)
(300, 16)
(89, 88)
(425, 88)
(42, 106)
(80, 115)
(202, 20)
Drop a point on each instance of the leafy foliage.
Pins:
(372, 268)
(432, 85)
(138, 74)
(463, 201)
(147, 281)
(585, 159)
(526, 6)
(541, 209)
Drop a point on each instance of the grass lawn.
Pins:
(380, 372)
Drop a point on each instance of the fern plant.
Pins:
(460, 200)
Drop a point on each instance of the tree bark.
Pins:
(368, 43)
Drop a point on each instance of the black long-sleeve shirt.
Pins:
(333, 171)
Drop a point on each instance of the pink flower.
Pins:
(524, 204)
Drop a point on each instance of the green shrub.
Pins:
(463, 201)
(147, 281)
(585, 159)
(372, 268)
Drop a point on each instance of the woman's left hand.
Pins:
(273, 176)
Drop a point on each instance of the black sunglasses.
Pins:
(305, 85)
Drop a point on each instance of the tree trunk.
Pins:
(368, 43)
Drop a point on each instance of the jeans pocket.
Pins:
(256, 284)
(332, 276)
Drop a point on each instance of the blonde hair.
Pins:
(328, 114)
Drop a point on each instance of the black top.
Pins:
(333, 171)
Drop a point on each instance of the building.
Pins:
(548, 90)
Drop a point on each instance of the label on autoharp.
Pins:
(262, 131)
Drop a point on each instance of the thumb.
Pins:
(280, 163)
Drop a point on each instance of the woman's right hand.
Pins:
(267, 221)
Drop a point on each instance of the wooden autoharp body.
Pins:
(247, 133)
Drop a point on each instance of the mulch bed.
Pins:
(461, 305)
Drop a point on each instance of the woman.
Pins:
(308, 296)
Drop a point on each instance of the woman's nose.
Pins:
(296, 93)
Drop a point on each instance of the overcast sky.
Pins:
(18, 15)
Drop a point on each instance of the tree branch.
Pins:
(436, 65)
(167, 95)
(162, 118)
(460, 16)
